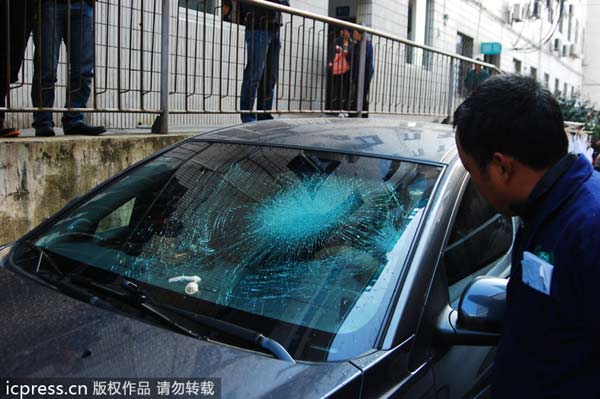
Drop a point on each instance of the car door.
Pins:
(478, 243)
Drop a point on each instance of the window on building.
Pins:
(576, 39)
(517, 64)
(565, 89)
(480, 236)
(570, 24)
(429, 14)
(556, 46)
(572, 91)
(561, 18)
(536, 9)
(410, 29)
(533, 73)
(546, 81)
(556, 86)
(464, 46)
(199, 5)
(493, 59)
(419, 28)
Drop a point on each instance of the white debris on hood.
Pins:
(192, 283)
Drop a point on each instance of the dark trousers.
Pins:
(49, 32)
(260, 74)
(365, 104)
(339, 92)
(16, 22)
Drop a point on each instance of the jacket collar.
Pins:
(553, 190)
(528, 209)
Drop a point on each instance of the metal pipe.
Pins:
(164, 67)
(450, 89)
(361, 75)
(351, 26)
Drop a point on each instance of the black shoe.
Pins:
(45, 132)
(264, 117)
(85, 129)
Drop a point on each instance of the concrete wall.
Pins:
(38, 176)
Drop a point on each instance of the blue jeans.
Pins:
(260, 74)
(49, 31)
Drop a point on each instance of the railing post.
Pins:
(450, 89)
(361, 74)
(164, 68)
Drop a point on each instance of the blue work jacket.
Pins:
(550, 344)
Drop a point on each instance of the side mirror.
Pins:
(482, 304)
(479, 318)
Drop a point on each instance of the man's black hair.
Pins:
(513, 115)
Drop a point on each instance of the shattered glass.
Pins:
(293, 235)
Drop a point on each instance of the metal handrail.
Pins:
(366, 29)
(409, 77)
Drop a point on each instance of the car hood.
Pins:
(45, 333)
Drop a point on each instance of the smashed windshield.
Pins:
(312, 239)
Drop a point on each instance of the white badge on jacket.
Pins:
(537, 273)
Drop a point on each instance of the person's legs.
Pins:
(256, 46)
(4, 59)
(352, 99)
(16, 20)
(336, 87)
(266, 89)
(365, 109)
(47, 36)
(80, 47)
(4, 85)
(345, 91)
(10, 131)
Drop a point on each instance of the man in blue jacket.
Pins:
(358, 37)
(511, 139)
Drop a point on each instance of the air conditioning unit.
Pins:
(573, 51)
(518, 13)
(536, 12)
(556, 45)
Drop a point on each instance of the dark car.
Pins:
(300, 258)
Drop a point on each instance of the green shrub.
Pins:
(576, 110)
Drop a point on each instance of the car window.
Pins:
(312, 239)
(119, 218)
(478, 237)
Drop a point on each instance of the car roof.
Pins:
(398, 138)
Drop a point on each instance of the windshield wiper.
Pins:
(44, 255)
(60, 284)
(70, 288)
(135, 295)
(243, 333)
(139, 301)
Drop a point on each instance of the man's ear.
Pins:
(504, 164)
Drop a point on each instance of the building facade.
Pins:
(542, 39)
(591, 51)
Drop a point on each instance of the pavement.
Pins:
(30, 132)
(111, 132)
